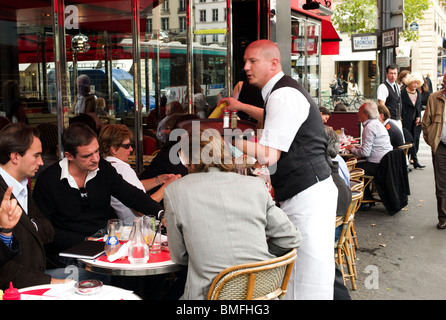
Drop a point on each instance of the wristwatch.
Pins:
(5, 230)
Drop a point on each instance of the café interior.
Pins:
(134, 52)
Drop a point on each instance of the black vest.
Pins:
(393, 102)
(305, 163)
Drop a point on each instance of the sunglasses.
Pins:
(84, 197)
(126, 146)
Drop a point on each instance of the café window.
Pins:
(97, 41)
(305, 54)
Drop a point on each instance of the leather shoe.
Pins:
(441, 225)
(416, 165)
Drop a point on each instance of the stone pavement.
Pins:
(403, 256)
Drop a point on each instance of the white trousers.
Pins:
(313, 212)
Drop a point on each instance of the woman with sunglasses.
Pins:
(115, 147)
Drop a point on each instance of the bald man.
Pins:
(293, 145)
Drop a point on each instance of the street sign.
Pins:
(389, 38)
(413, 26)
(364, 42)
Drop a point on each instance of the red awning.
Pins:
(329, 35)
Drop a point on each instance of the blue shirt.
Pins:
(19, 189)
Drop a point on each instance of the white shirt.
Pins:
(125, 170)
(65, 174)
(375, 141)
(286, 110)
(19, 189)
(382, 93)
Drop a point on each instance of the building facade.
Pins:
(426, 55)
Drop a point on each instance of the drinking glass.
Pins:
(150, 233)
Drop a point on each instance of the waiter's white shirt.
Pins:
(286, 110)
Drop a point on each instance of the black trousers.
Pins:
(439, 159)
(370, 169)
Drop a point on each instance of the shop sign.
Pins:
(390, 38)
(298, 45)
(402, 61)
(364, 42)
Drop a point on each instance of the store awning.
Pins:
(329, 35)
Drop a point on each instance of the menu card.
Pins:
(85, 250)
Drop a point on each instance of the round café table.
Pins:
(158, 263)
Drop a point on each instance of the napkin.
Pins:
(121, 253)
(61, 290)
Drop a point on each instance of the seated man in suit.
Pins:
(22, 235)
(375, 141)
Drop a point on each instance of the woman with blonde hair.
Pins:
(411, 112)
(217, 218)
(401, 80)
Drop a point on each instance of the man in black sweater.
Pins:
(74, 193)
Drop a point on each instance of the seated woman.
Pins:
(217, 218)
(115, 147)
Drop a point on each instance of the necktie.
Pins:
(395, 88)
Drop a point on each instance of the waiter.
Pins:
(389, 94)
(293, 144)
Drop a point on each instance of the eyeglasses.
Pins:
(84, 197)
(126, 146)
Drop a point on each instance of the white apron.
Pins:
(313, 212)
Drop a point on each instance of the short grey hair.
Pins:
(371, 108)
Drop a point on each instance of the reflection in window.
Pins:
(109, 61)
(305, 55)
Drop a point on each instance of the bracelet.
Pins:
(158, 180)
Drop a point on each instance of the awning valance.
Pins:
(329, 35)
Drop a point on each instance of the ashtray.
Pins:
(88, 287)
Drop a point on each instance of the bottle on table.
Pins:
(12, 293)
(138, 249)
(234, 120)
(112, 244)
(225, 119)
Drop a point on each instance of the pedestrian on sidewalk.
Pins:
(434, 133)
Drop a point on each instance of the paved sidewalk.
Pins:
(403, 256)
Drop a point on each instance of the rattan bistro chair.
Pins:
(356, 185)
(351, 163)
(406, 147)
(357, 173)
(263, 280)
(343, 246)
